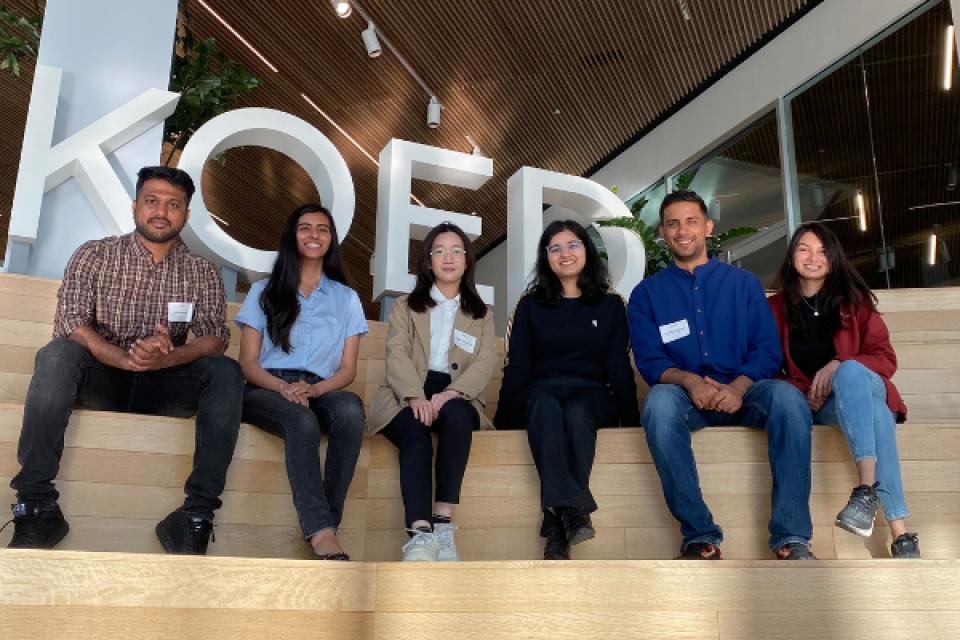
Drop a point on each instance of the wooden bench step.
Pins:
(108, 595)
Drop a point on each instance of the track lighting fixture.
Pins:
(371, 41)
(343, 8)
(433, 113)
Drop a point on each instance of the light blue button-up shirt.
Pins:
(327, 318)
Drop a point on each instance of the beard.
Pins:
(158, 236)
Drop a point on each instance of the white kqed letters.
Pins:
(84, 156)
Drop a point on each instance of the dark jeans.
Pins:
(66, 375)
(562, 417)
(774, 405)
(318, 500)
(454, 428)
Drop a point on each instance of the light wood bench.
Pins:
(122, 472)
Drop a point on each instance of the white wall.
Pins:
(110, 51)
(812, 44)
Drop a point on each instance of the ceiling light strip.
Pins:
(239, 37)
(948, 59)
(339, 128)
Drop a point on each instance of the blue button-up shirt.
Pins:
(327, 318)
(712, 322)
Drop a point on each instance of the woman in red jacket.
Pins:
(837, 351)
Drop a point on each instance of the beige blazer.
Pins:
(408, 359)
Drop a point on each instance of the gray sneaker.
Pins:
(906, 545)
(858, 516)
(421, 548)
(446, 547)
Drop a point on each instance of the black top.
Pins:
(812, 347)
(571, 338)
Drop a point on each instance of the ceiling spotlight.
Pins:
(343, 9)
(474, 147)
(371, 41)
(433, 113)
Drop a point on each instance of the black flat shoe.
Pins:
(343, 557)
(576, 524)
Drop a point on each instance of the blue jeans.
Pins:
(669, 417)
(67, 375)
(319, 501)
(858, 404)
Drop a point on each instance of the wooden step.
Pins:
(122, 472)
(66, 594)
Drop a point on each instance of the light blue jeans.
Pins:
(858, 405)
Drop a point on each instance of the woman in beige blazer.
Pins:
(441, 351)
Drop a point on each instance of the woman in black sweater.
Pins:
(567, 374)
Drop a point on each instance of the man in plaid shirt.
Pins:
(120, 344)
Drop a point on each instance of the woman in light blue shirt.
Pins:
(300, 338)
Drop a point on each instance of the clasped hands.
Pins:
(300, 392)
(149, 354)
(426, 411)
(709, 395)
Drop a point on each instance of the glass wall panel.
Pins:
(742, 185)
(878, 154)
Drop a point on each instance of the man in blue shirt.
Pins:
(704, 339)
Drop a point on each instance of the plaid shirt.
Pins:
(114, 286)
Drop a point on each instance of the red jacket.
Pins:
(863, 337)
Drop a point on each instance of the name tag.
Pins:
(674, 331)
(179, 312)
(464, 341)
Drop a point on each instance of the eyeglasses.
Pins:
(455, 252)
(572, 246)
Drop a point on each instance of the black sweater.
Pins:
(570, 338)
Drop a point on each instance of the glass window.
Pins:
(877, 144)
(742, 186)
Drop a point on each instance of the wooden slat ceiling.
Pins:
(555, 84)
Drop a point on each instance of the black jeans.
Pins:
(562, 416)
(318, 500)
(454, 428)
(66, 375)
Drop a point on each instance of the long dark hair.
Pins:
(419, 299)
(279, 297)
(842, 286)
(593, 280)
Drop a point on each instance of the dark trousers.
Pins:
(66, 375)
(319, 500)
(454, 428)
(562, 417)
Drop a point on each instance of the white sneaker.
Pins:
(421, 548)
(446, 547)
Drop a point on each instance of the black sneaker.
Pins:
(907, 545)
(576, 524)
(861, 510)
(557, 547)
(795, 551)
(37, 527)
(183, 533)
(701, 551)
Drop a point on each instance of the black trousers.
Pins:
(562, 416)
(454, 428)
(67, 376)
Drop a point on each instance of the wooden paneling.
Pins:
(500, 69)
